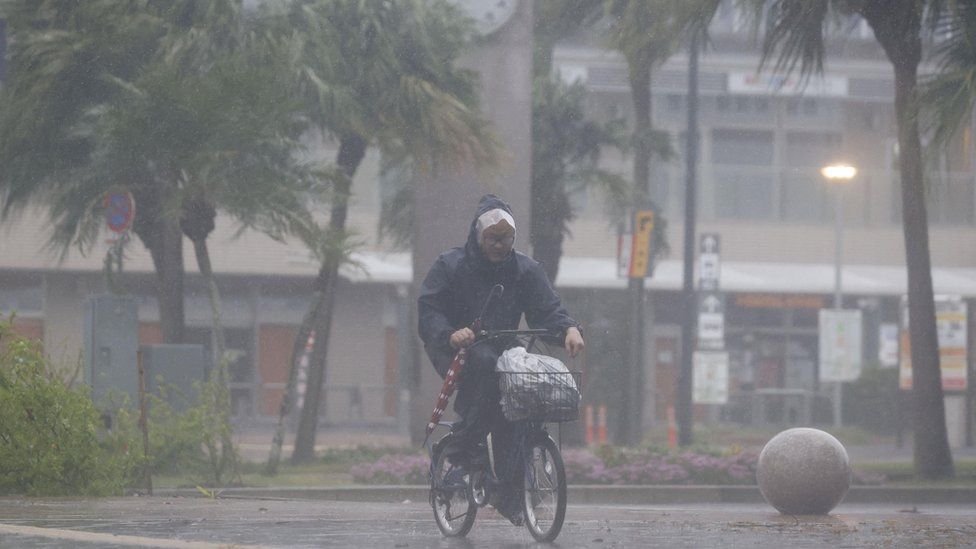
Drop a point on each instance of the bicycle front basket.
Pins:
(545, 397)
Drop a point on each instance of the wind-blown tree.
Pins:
(200, 118)
(794, 33)
(147, 98)
(384, 74)
(566, 145)
(66, 61)
(565, 160)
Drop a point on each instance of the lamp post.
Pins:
(837, 175)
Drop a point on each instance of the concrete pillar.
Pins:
(446, 201)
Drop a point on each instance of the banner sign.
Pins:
(750, 83)
(888, 344)
(634, 247)
(951, 319)
(710, 377)
(840, 345)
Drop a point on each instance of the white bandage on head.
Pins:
(492, 218)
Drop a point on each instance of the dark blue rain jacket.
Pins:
(454, 292)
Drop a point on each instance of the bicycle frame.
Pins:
(454, 469)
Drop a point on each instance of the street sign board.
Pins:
(711, 320)
(888, 344)
(951, 319)
(641, 255)
(709, 247)
(120, 210)
(625, 247)
(840, 345)
(710, 377)
(634, 246)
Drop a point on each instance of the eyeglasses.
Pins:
(492, 240)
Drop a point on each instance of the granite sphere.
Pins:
(804, 471)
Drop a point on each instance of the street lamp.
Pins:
(838, 175)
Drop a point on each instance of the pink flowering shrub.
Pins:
(393, 469)
(647, 467)
(628, 466)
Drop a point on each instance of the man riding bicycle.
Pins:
(451, 297)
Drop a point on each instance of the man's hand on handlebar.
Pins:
(462, 338)
(574, 341)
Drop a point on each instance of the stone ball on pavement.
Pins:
(804, 471)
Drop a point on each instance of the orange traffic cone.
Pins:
(672, 429)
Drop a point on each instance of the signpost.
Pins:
(710, 363)
(120, 211)
(711, 321)
(709, 261)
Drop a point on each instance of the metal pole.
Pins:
(683, 405)
(838, 295)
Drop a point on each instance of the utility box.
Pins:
(111, 344)
(175, 372)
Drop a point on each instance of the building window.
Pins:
(20, 297)
(804, 193)
(742, 147)
(949, 197)
(743, 181)
(809, 107)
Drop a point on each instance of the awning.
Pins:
(736, 276)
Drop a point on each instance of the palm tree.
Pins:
(565, 160)
(374, 73)
(646, 33)
(795, 29)
(115, 106)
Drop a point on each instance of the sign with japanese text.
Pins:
(634, 246)
(709, 246)
(951, 319)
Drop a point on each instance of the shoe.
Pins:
(516, 517)
(510, 507)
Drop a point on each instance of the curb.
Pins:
(600, 494)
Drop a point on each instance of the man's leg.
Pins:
(477, 395)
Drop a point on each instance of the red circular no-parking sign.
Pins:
(120, 210)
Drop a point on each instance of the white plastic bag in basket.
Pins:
(529, 390)
(517, 359)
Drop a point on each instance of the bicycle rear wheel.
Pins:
(544, 501)
(450, 497)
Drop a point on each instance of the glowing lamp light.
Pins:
(838, 172)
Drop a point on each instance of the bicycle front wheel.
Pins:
(544, 501)
(450, 496)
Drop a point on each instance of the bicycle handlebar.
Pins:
(491, 334)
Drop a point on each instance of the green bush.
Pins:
(875, 403)
(194, 443)
(49, 443)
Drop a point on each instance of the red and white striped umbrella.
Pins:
(446, 390)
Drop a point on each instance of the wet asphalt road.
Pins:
(206, 524)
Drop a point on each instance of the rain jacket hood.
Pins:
(472, 248)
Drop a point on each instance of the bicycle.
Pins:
(456, 492)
